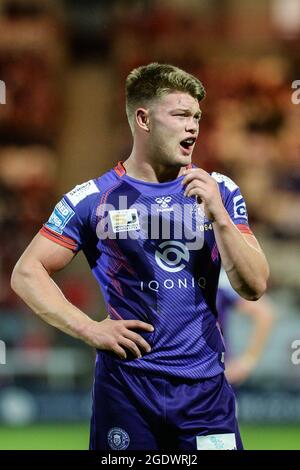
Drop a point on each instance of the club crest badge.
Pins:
(118, 439)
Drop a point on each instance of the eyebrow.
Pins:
(187, 110)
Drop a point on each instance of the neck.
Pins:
(138, 166)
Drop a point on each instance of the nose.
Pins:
(192, 125)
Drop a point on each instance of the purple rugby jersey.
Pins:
(152, 264)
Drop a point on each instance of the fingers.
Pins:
(119, 351)
(194, 192)
(138, 325)
(128, 339)
(197, 178)
(138, 340)
(130, 345)
(194, 185)
(195, 173)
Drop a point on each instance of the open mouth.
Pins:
(188, 143)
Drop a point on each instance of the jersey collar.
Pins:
(121, 170)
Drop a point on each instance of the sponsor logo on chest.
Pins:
(124, 220)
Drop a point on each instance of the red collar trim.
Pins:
(119, 169)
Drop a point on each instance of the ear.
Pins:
(142, 118)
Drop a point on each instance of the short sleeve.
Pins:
(234, 202)
(71, 219)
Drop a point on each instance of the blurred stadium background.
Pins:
(64, 63)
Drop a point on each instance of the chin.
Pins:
(178, 163)
(185, 160)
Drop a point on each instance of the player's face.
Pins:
(174, 128)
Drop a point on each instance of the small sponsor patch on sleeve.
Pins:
(81, 191)
(224, 179)
(217, 442)
(60, 217)
(239, 207)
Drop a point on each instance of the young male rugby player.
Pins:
(159, 373)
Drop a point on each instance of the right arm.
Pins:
(31, 280)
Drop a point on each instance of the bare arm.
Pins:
(262, 316)
(31, 280)
(242, 257)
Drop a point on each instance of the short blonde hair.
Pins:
(154, 80)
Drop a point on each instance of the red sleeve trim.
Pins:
(59, 239)
(244, 229)
(119, 169)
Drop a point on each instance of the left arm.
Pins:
(242, 258)
(241, 255)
